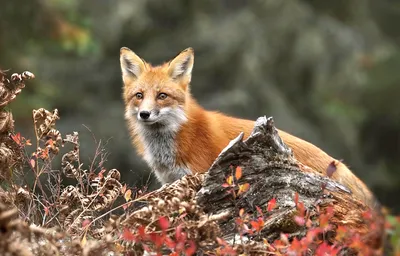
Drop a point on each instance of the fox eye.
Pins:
(139, 95)
(162, 96)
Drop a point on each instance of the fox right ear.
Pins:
(132, 66)
(181, 66)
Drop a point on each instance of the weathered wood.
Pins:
(271, 170)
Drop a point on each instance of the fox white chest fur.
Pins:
(160, 151)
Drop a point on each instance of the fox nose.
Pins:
(144, 115)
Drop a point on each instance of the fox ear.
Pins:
(181, 66)
(132, 66)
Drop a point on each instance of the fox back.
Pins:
(176, 136)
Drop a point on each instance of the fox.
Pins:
(176, 136)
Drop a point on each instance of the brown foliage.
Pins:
(10, 152)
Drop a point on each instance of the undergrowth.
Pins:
(101, 215)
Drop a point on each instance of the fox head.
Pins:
(155, 96)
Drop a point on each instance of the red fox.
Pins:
(176, 136)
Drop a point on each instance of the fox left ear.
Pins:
(132, 66)
(181, 66)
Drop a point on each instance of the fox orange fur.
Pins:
(176, 136)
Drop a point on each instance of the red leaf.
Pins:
(243, 188)
(301, 208)
(142, 232)
(238, 173)
(192, 248)
(221, 241)
(85, 223)
(239, 221)
(296, 245)
(127, 235)
(308, 223)
(324, 221)
(226, 250)
(157, 239)
(341, 233)
(325, 249)
(169, 242)
(367, 215)
(259, 210)
(17, 138)
(278, 243)
(50, 142)
(312, 234)
(255, 225)
(329, 211)
(299, 220)
(258, 224)
(164, 223)
(271, 204)
(284, 238)
(356, 242)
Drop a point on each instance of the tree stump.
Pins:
(271, 171)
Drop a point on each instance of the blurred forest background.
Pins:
(327, 71)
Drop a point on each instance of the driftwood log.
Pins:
(272, 172)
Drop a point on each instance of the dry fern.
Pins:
(44, 121)
(176, 202)
(18, 238)
(10, 88)
(10, 152)
(77, 206)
